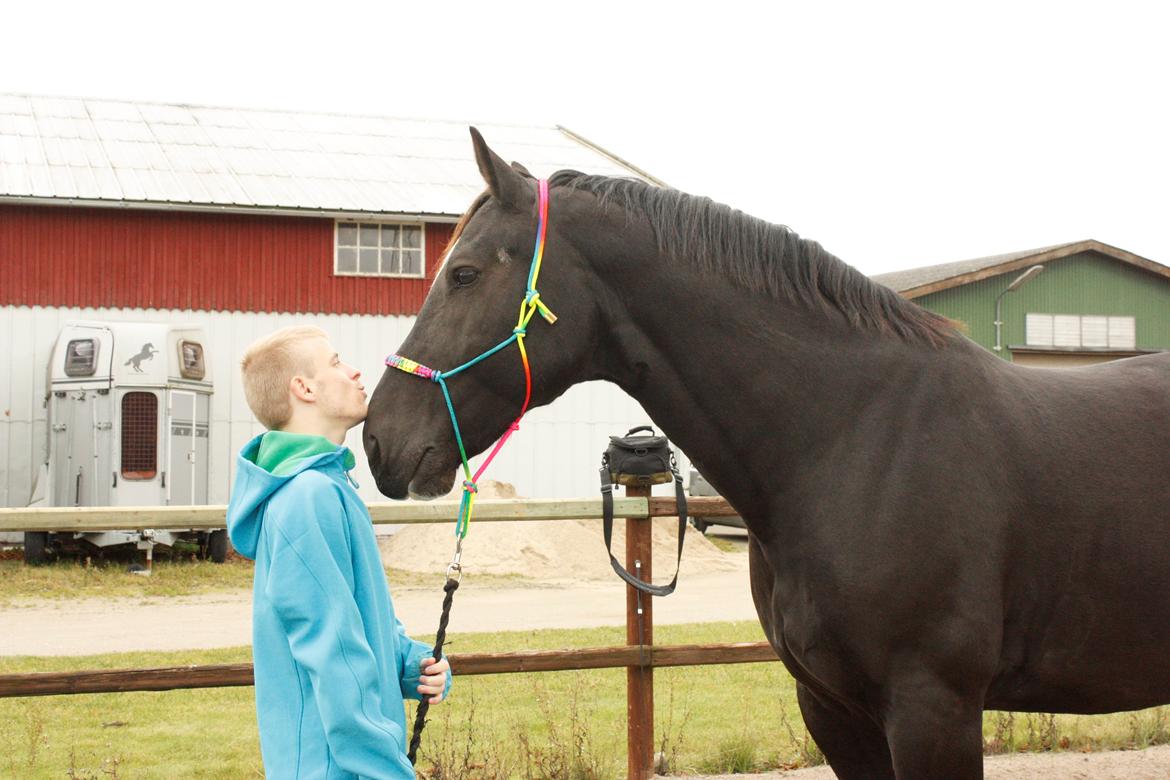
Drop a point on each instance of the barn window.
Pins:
(191, 360)
(1080, 331)
(81, 357)
(379, 249)
(139, 435)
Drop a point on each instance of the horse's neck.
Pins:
(748, 386)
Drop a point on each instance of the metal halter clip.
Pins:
(455, 569)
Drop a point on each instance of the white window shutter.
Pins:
(1066, 330)
(1094, 331)
(1122, 333)
(1038, 330)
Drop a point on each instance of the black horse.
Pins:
(933, 530)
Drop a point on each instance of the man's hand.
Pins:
(433, 679)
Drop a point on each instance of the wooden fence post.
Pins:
(639, 631)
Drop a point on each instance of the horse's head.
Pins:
(471, 308)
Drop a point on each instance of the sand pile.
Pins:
(552, 550)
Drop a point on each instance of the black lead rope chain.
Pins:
(420, 718)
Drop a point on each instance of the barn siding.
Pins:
(554, 454)
(111, 258)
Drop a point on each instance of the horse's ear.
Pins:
(505, 184)
(517, 166)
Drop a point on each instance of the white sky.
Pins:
(897, 135)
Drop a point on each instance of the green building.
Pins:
(1065, 305)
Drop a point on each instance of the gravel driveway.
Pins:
(1150, 764)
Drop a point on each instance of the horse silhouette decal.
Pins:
(146, 353)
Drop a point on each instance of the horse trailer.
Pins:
(128, 407)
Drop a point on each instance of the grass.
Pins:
(73, 579)
(560, 725)
(726, 544)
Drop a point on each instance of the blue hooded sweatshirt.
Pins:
(332, 662)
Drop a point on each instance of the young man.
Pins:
(332, 662)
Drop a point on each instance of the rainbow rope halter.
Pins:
(529, 306)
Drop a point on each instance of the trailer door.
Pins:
(182, 453)
(70, 443)
(104, 475)
(138, 434)
(202, 463)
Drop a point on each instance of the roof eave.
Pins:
(1027, 261)
(217, 208)
(605, 152)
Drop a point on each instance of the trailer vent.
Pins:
(139, 435)
(81, 357)
(191, 360)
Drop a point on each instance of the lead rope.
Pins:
(420, 718)
(529, 306)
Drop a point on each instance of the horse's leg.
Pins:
(934, 732)
(854, 745)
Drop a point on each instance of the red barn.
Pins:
(241, 220)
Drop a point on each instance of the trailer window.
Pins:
(191, 360)
(139, 435)
(81, 357)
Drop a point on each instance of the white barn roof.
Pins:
(111, 152)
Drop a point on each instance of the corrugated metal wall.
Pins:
(111, 258)
(556, 453)
(1085, 283)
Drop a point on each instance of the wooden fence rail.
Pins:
(98, 518)
(464, 664)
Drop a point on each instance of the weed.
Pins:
(1149, 727)
(568, 753)
(35, 736)
(456, 755)
(108, 768)
(1003, 739)
(734, 756)
(671, 742)
(807, 751)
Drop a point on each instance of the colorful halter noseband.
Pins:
(528, 307)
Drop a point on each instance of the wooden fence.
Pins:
(639, 656)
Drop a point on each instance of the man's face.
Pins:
(340, 394)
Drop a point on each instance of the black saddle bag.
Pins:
(641, 461)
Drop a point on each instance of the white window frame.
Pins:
(1113, 331)
(422, 247)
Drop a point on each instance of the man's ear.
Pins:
(505, 184)
(301, 389)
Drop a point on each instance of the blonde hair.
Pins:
(269, 365)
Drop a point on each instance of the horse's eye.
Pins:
(465, 275)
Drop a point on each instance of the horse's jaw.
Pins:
(410, 492)
(433, 477)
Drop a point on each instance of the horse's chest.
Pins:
(797, 622)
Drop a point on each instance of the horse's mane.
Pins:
(759, 255)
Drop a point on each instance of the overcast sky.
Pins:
(897, 135)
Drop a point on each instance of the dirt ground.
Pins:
(88, 626)
(1150, 764)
